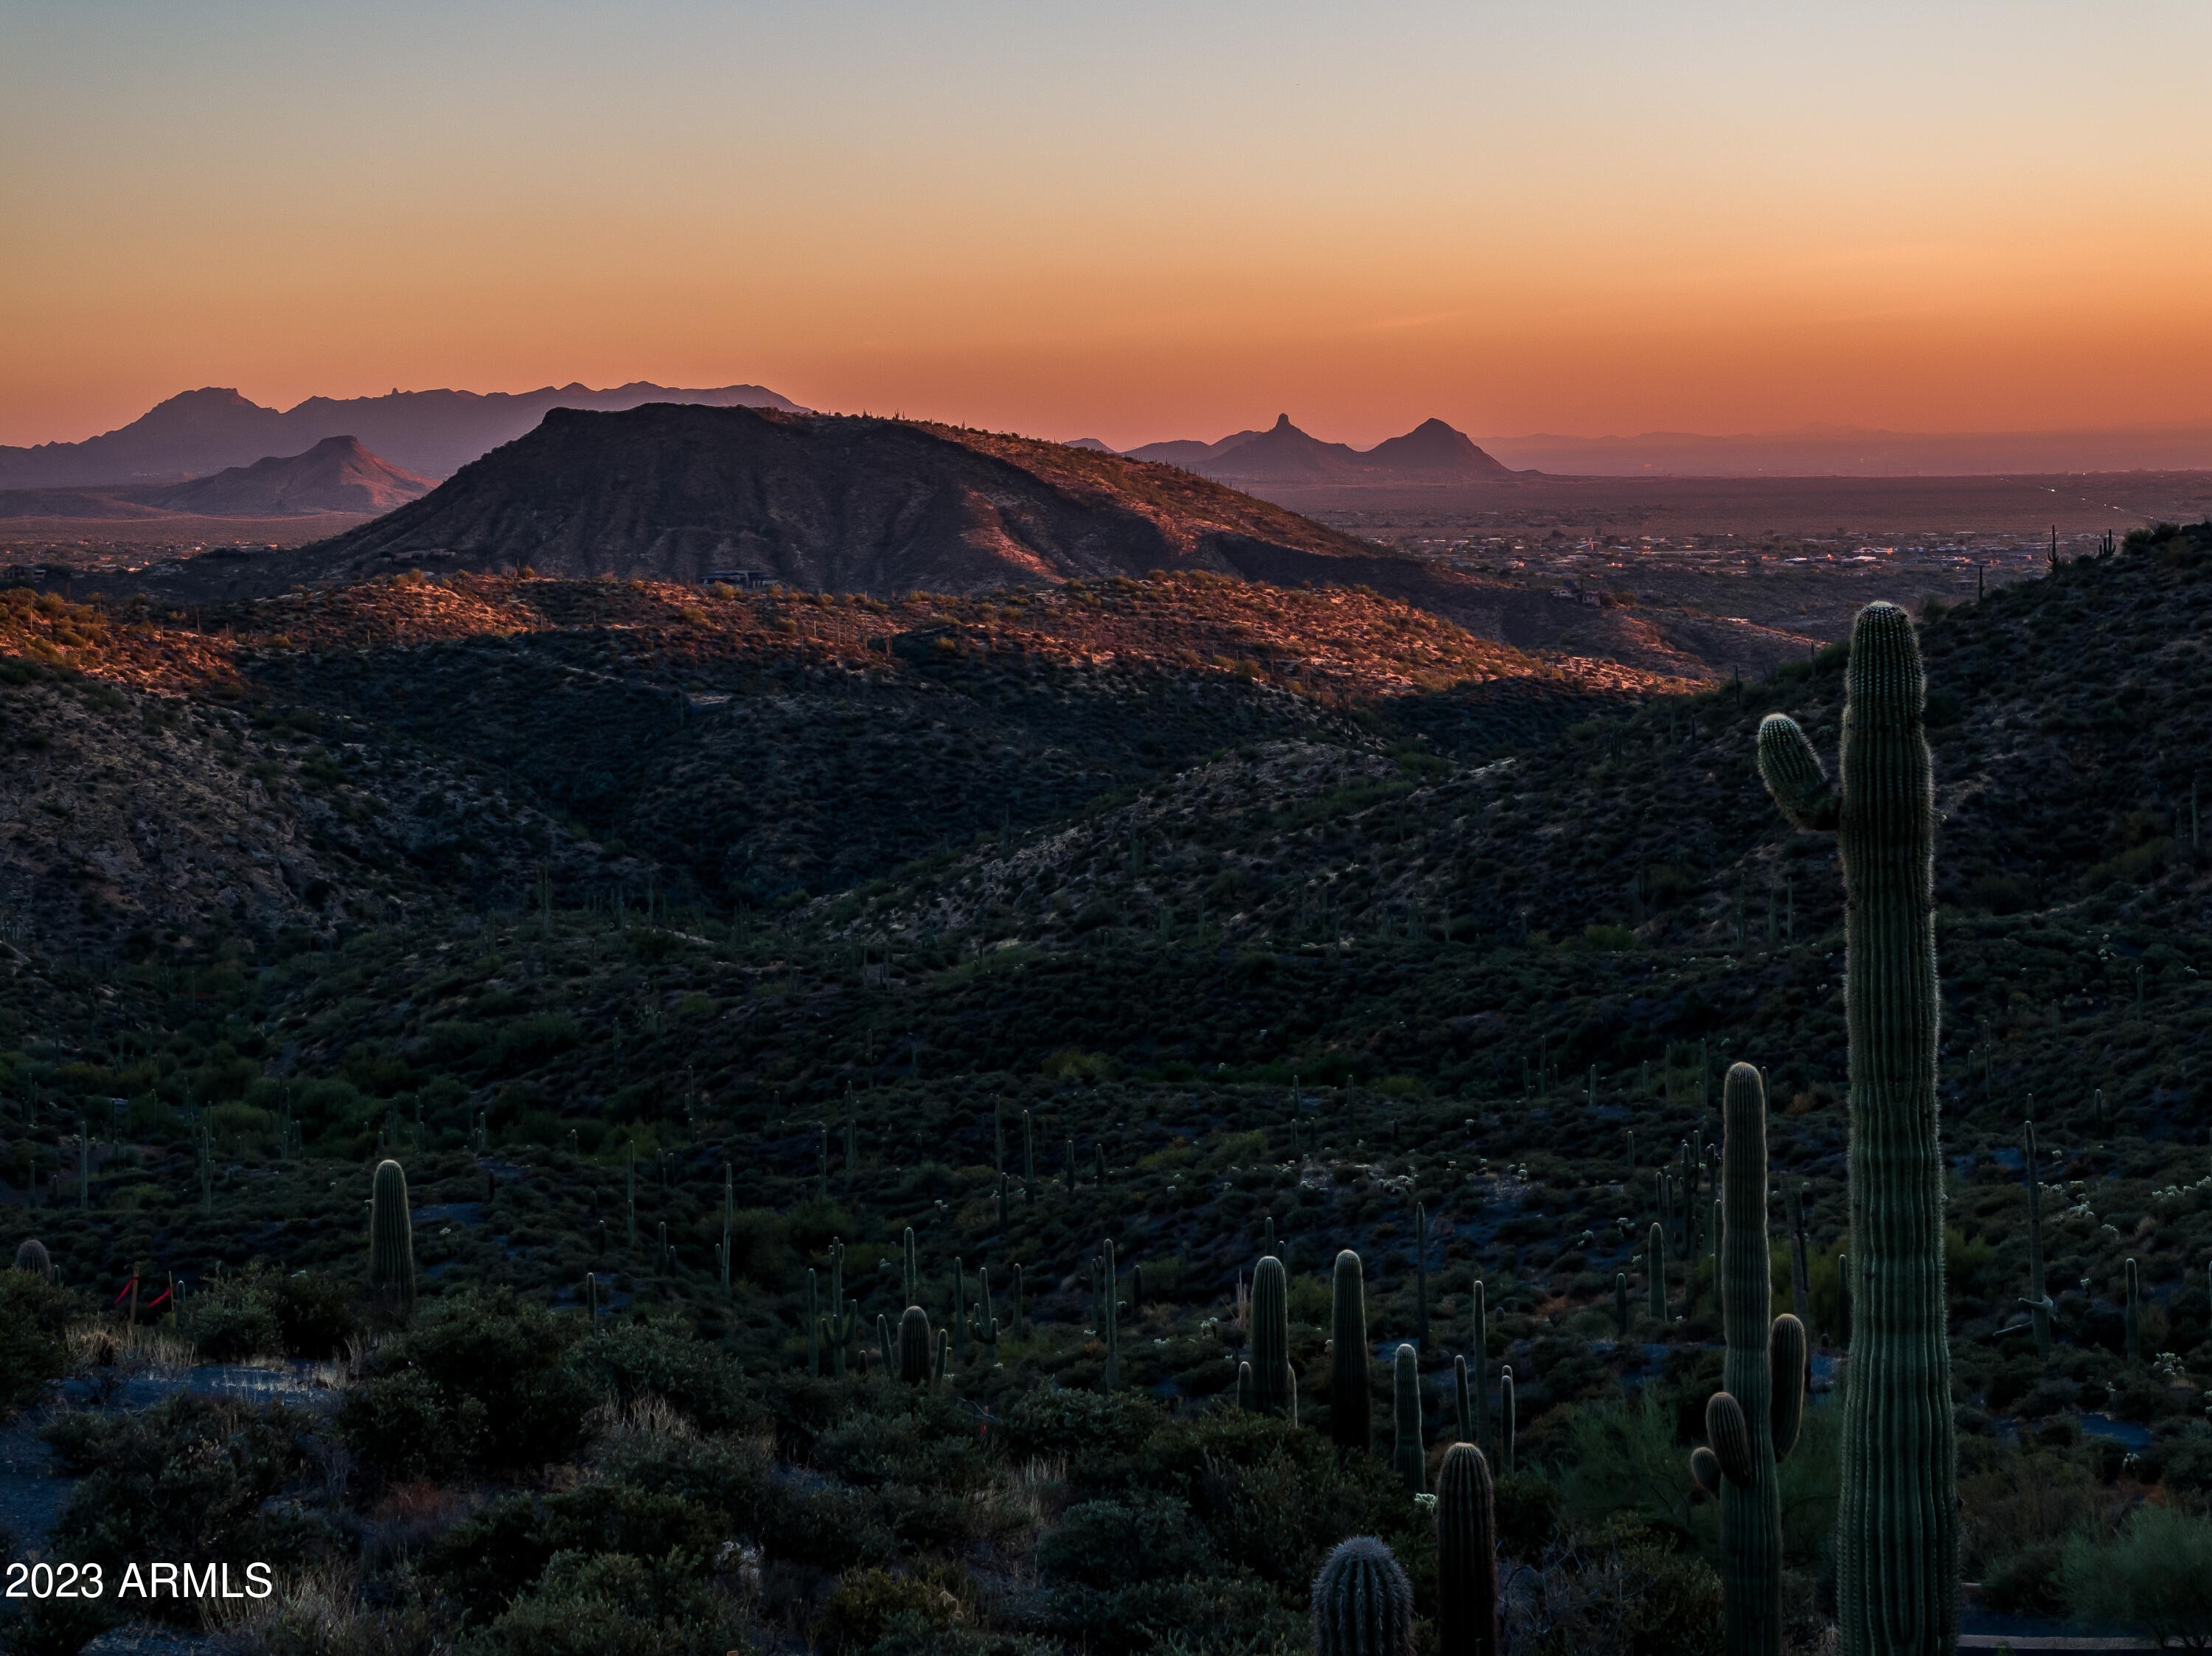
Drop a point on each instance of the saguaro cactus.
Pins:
(1801, 1279)
(1274, 1388)
(1110, 1314)
(1478, 1424)
(1349, 1423)
(1762, 1379)
(916, 1347)
(837, 1323)
(1897, 1528)
(1421, 1276)
(985, 1329)
(1363, 1604)
(1466, 1554)
(2037, 1300)
(912, 1269)
(2135, 1315)
(1621, 1305)
(1655, 1271)
(391, 1242)
(1408, 1455)
(1506, 1424)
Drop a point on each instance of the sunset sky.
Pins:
(1126, 220)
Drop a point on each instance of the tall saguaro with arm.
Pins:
(1753, 1420)
(1897, 1528)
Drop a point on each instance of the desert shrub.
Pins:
(640, 1356)
(191, 1477)
(483, 1385)
(865, 1603)
(616, 1604)
(1105, 1543)
(34, 1316)
(828, 1526)
(1621, 1593)
(2154, 1575)
(1089, 1427)
(489, 1560)
(922, 1442)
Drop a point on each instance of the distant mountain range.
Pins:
(434, 433)
(336, 475)
(1850, 451)
(1432, 453)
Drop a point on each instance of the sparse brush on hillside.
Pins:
(1106, 978)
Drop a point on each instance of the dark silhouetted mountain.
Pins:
(432, 432)
(829, 503)
(1431, 452)
(1095, 445)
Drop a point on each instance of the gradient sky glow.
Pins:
(1127, 221)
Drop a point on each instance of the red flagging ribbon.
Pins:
(156, 1301)
(125, 1294)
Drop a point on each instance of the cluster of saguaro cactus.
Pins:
(1363, 1604)
(1349, 1423)
(837, 1323)
(2037, 1298)
(984, 1328)
(1897, 1529)
(1751, 1421)
(391, 1242)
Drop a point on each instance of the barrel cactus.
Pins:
(391, 1242)
(1363, 1604)
(32, 1256)
(1408, 1455)
(1466, 1554)
(1896, 1527)
(1349, 1424)
(1751, 1421)
(1274, 1388)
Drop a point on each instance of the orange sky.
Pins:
(1126, 222)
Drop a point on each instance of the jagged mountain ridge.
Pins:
(432, 432)
(1432, 452)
